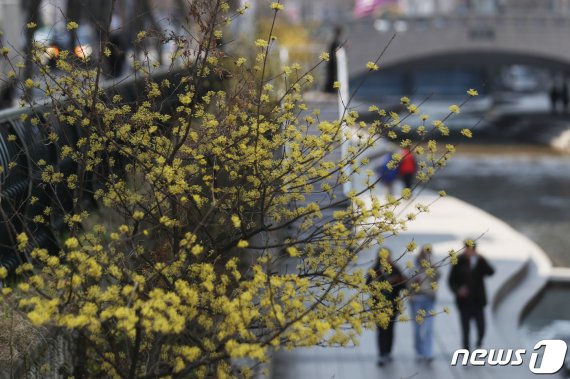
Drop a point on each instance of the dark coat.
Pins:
(462, 275)
(395, 278)
(332, 66)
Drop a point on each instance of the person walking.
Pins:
(564, 98)
(387, 173)
(466, 281)
(554, 96)
(423, 294)
(385, 336)
(408, 168)
(332, 66)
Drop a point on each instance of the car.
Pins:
(54, 40)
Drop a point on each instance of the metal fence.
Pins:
(22, 146)
(51, 358)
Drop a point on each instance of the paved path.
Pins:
(449, 222)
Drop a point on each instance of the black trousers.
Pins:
(408, 180)
(386, 338)
(468, 312)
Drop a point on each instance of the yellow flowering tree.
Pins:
(221, 232)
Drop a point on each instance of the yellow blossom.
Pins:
(24, 287)
(454, 109)
(467, 133)
(236, 221)
(277, 6)
(22, 240)
(71, 243)
(292, 251)
(372, 66)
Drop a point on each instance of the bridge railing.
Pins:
(447, 22)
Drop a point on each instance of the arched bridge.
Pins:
(540, 40)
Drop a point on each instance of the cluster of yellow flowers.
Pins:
(205, 199)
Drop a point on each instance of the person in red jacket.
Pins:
(408, 168)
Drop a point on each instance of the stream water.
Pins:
(527, 187)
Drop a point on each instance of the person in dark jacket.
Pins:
(466, 281)
(564, 96)
(398, 282)
(386, 173)
(332, 65)
(554, 96)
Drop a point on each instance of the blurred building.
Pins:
(333, 11)
(426, 7)
(556, 6)
(434, 7)
(514, 6)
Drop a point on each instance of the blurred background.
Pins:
(515, 53)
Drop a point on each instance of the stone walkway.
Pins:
(449, 222)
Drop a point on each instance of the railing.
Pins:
(21, 148)
(444, 22)
(51, 357)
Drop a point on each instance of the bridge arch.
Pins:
(470, 40)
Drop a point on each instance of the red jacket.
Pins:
(408, 163)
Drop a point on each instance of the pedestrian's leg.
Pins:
(427, 341)
(383, 345)
(465, 316)
(380, 339)
(385, 340)
(389, 337)
(479, 316)
(409, 180)
(417, 327)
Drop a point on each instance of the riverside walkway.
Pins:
(521, 268)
